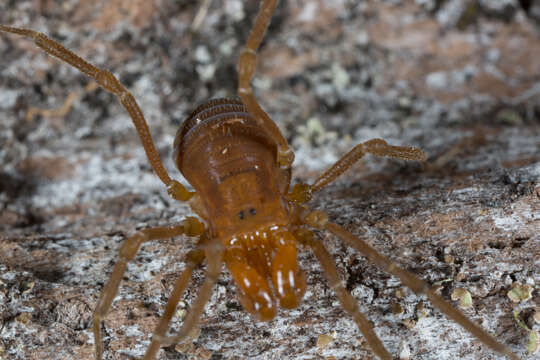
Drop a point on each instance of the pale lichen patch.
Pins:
(464, 297)
(520, 292)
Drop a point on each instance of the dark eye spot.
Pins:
(252, 211)
(241, 215)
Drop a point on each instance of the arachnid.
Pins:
(238, 220)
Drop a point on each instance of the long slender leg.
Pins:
(302, 192)
(194, 259)
(319, 220)
(246, 67)
(127, 252)
(107, 80)
(213, 251)
(347, 300)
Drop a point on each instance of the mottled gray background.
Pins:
(459, 78)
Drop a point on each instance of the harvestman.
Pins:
(239, 163)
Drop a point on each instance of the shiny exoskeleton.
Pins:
(241, 190)
(239, 164)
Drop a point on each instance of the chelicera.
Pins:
(239, 164)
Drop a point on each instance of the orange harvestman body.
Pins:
(239, 164)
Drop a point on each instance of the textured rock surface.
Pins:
(458, 78)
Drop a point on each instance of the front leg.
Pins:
(107, 81)
(246, 68)
(302, 193)
(127, 252)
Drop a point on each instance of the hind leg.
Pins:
(319, 220)
(348, 302)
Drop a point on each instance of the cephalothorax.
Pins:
(239, 164)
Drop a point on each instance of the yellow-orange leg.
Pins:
(319, 220)
(246, 67)
(302, 192)
(107, 81)
(348, 302)
(213, 252)
(127, 252)
(193, 259)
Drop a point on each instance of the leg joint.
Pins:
(160, 339)
(249, 51)
(129, 248)
(106, 79)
